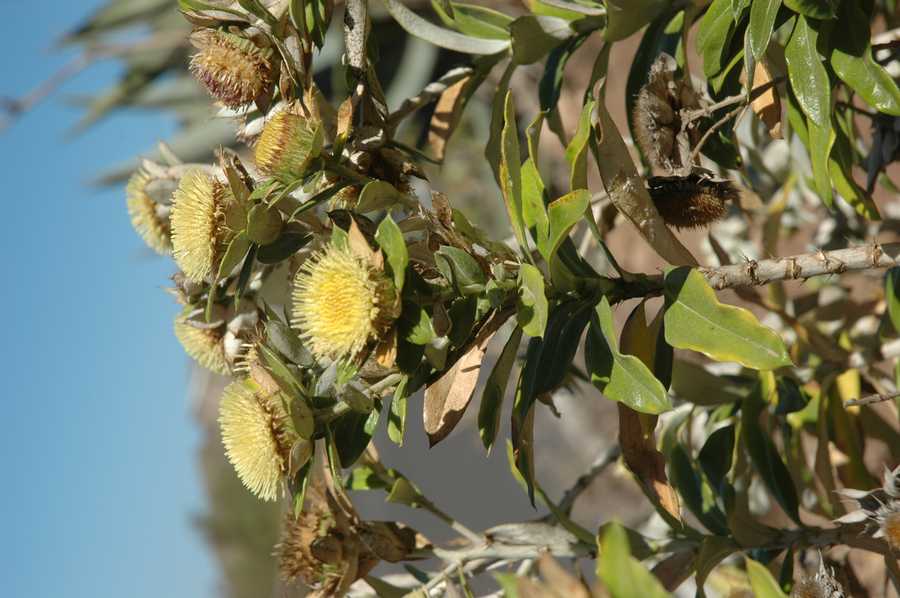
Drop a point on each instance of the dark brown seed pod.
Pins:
(691, 201)
(655, 116)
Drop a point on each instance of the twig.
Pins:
(876, 398)
(603, 460)
(430, 93)
(718, 124)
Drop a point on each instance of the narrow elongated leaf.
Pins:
(443, 38)
(762, 21)
(851, 59)
(495, 390)
(821, 139)
(396, 427)
(511, 171)
(696, 320)
(498, 116)
(807, 74)
(577, 150)
(620, 377)
(815, 9)
(713, 35)
(892, 296)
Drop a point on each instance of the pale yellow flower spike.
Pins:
(145, 214)
(255, 437)
(198, 229)
(204, 346)
(340, 303)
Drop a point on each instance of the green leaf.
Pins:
(533, 37)
(696, 320)
(534, 212)
(498, 114)
(460, 269)
(377, 195)
(415, 325)
(563, 213)
(622, 574)
(234, 255)
(620, 377)
(840, 168)
(550, 86)
(396, 425)
(807, 74)
(511, 171)
(713, 551)
(391, 241)
(531, 305)
(438, 36)
(762, 22)
(892, 296)
(352, 434)
(495, 390)
(765, 455)
(762, 582)
(474, 20)
(577, 150)
(821, 139)
(624, 17)
(851, 59)
(713, 35)
(815, 9)
(697, 495)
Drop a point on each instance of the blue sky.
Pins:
(100, 477)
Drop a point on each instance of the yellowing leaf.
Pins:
(696, 320)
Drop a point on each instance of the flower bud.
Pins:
(233, 69)
(288, 143)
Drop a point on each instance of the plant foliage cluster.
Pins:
(322, 272)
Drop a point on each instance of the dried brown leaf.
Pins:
(446, 116)
(767, 106)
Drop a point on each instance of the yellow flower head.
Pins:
(203, 345)
(233, 69)
(149, 219)
(256, 435)
(341, 303)
(199, 231)
(287, 144)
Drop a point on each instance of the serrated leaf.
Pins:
(495, 390)
(696, 320)
(620, 377)
(391, 241)
(443, 38)
(532, 305)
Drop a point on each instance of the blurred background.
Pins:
(119, 484)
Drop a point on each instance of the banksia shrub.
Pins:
(233, 69)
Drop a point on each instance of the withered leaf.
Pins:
(767, 105)
(447, 398)
(446, 116)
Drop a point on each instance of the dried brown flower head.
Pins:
(656, 114)
(233, 69)
(691, 201)
(822, 585)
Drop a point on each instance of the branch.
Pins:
(603, 460)
(803, 266)
(876, 398)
